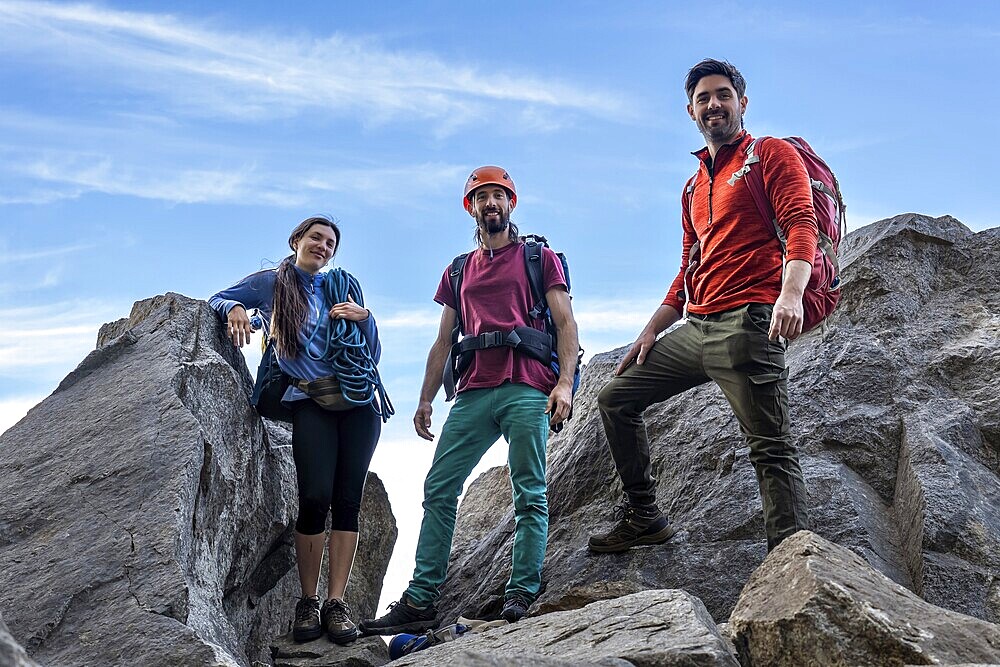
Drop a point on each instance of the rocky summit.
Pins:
(895, 407)
(147, 509)
(811, 603)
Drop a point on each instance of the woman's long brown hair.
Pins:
(289, 298)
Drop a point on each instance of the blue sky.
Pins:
(148, 147)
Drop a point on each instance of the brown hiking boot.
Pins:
(307, 626)
(336, 619)
(637, 525)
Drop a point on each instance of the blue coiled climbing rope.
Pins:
(347, 351)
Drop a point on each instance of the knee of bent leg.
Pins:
(312, 515)
(606, 398)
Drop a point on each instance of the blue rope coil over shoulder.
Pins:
(347, 351)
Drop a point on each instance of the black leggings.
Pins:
(332, 451)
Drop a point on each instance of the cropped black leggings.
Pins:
(332, 451)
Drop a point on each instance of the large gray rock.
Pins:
(147, 509)
(815, 603)
(895, 407)
(12, 654)
(665, 627)
(365, 652)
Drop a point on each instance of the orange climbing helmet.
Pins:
(489, 176)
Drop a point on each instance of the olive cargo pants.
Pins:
(732, 349)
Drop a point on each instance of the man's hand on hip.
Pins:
(640, 348)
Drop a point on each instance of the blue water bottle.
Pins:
(404, 644)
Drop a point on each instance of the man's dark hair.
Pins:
(710, 66)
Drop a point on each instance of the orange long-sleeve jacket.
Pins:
(740, 258)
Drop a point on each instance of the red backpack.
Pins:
(822, 293)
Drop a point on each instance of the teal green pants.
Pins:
(478, 418)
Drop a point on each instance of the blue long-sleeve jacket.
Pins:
(257, 291)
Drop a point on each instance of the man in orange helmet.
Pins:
(500, 392)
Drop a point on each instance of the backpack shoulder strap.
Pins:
(450, 373)
(754, 179)
(455, 274)
(533, 264)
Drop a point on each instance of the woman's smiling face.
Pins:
(315, 248)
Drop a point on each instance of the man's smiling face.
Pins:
(716, 109)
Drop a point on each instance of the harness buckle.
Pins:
(491, 339)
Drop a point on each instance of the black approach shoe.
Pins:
(307, 626)
(336, 619)
(401, 618)
(636, 525)
(515, 608)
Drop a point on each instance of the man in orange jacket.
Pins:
(741, 301)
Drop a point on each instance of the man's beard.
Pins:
(496, 224)
(718, 133)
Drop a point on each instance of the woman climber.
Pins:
(320, 372)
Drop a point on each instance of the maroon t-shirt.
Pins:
(496, 296)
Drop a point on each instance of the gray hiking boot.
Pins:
(307, 626)
(515, 608)
(336, 619)
(637, 525)
(402, 617)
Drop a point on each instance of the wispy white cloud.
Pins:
(51, 277)
(201, 70)
(612, 315)
(410, 319)
(70, 173)
(13, 409)
(101, 173)
(39, 196)
(160, 68)
(48, 341)
(426, 177)
(48, 253)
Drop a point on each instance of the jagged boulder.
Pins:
(660, 627)
(895, 407)
(815, 603)
(147, 509)
(11, 653)
(365, 652)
